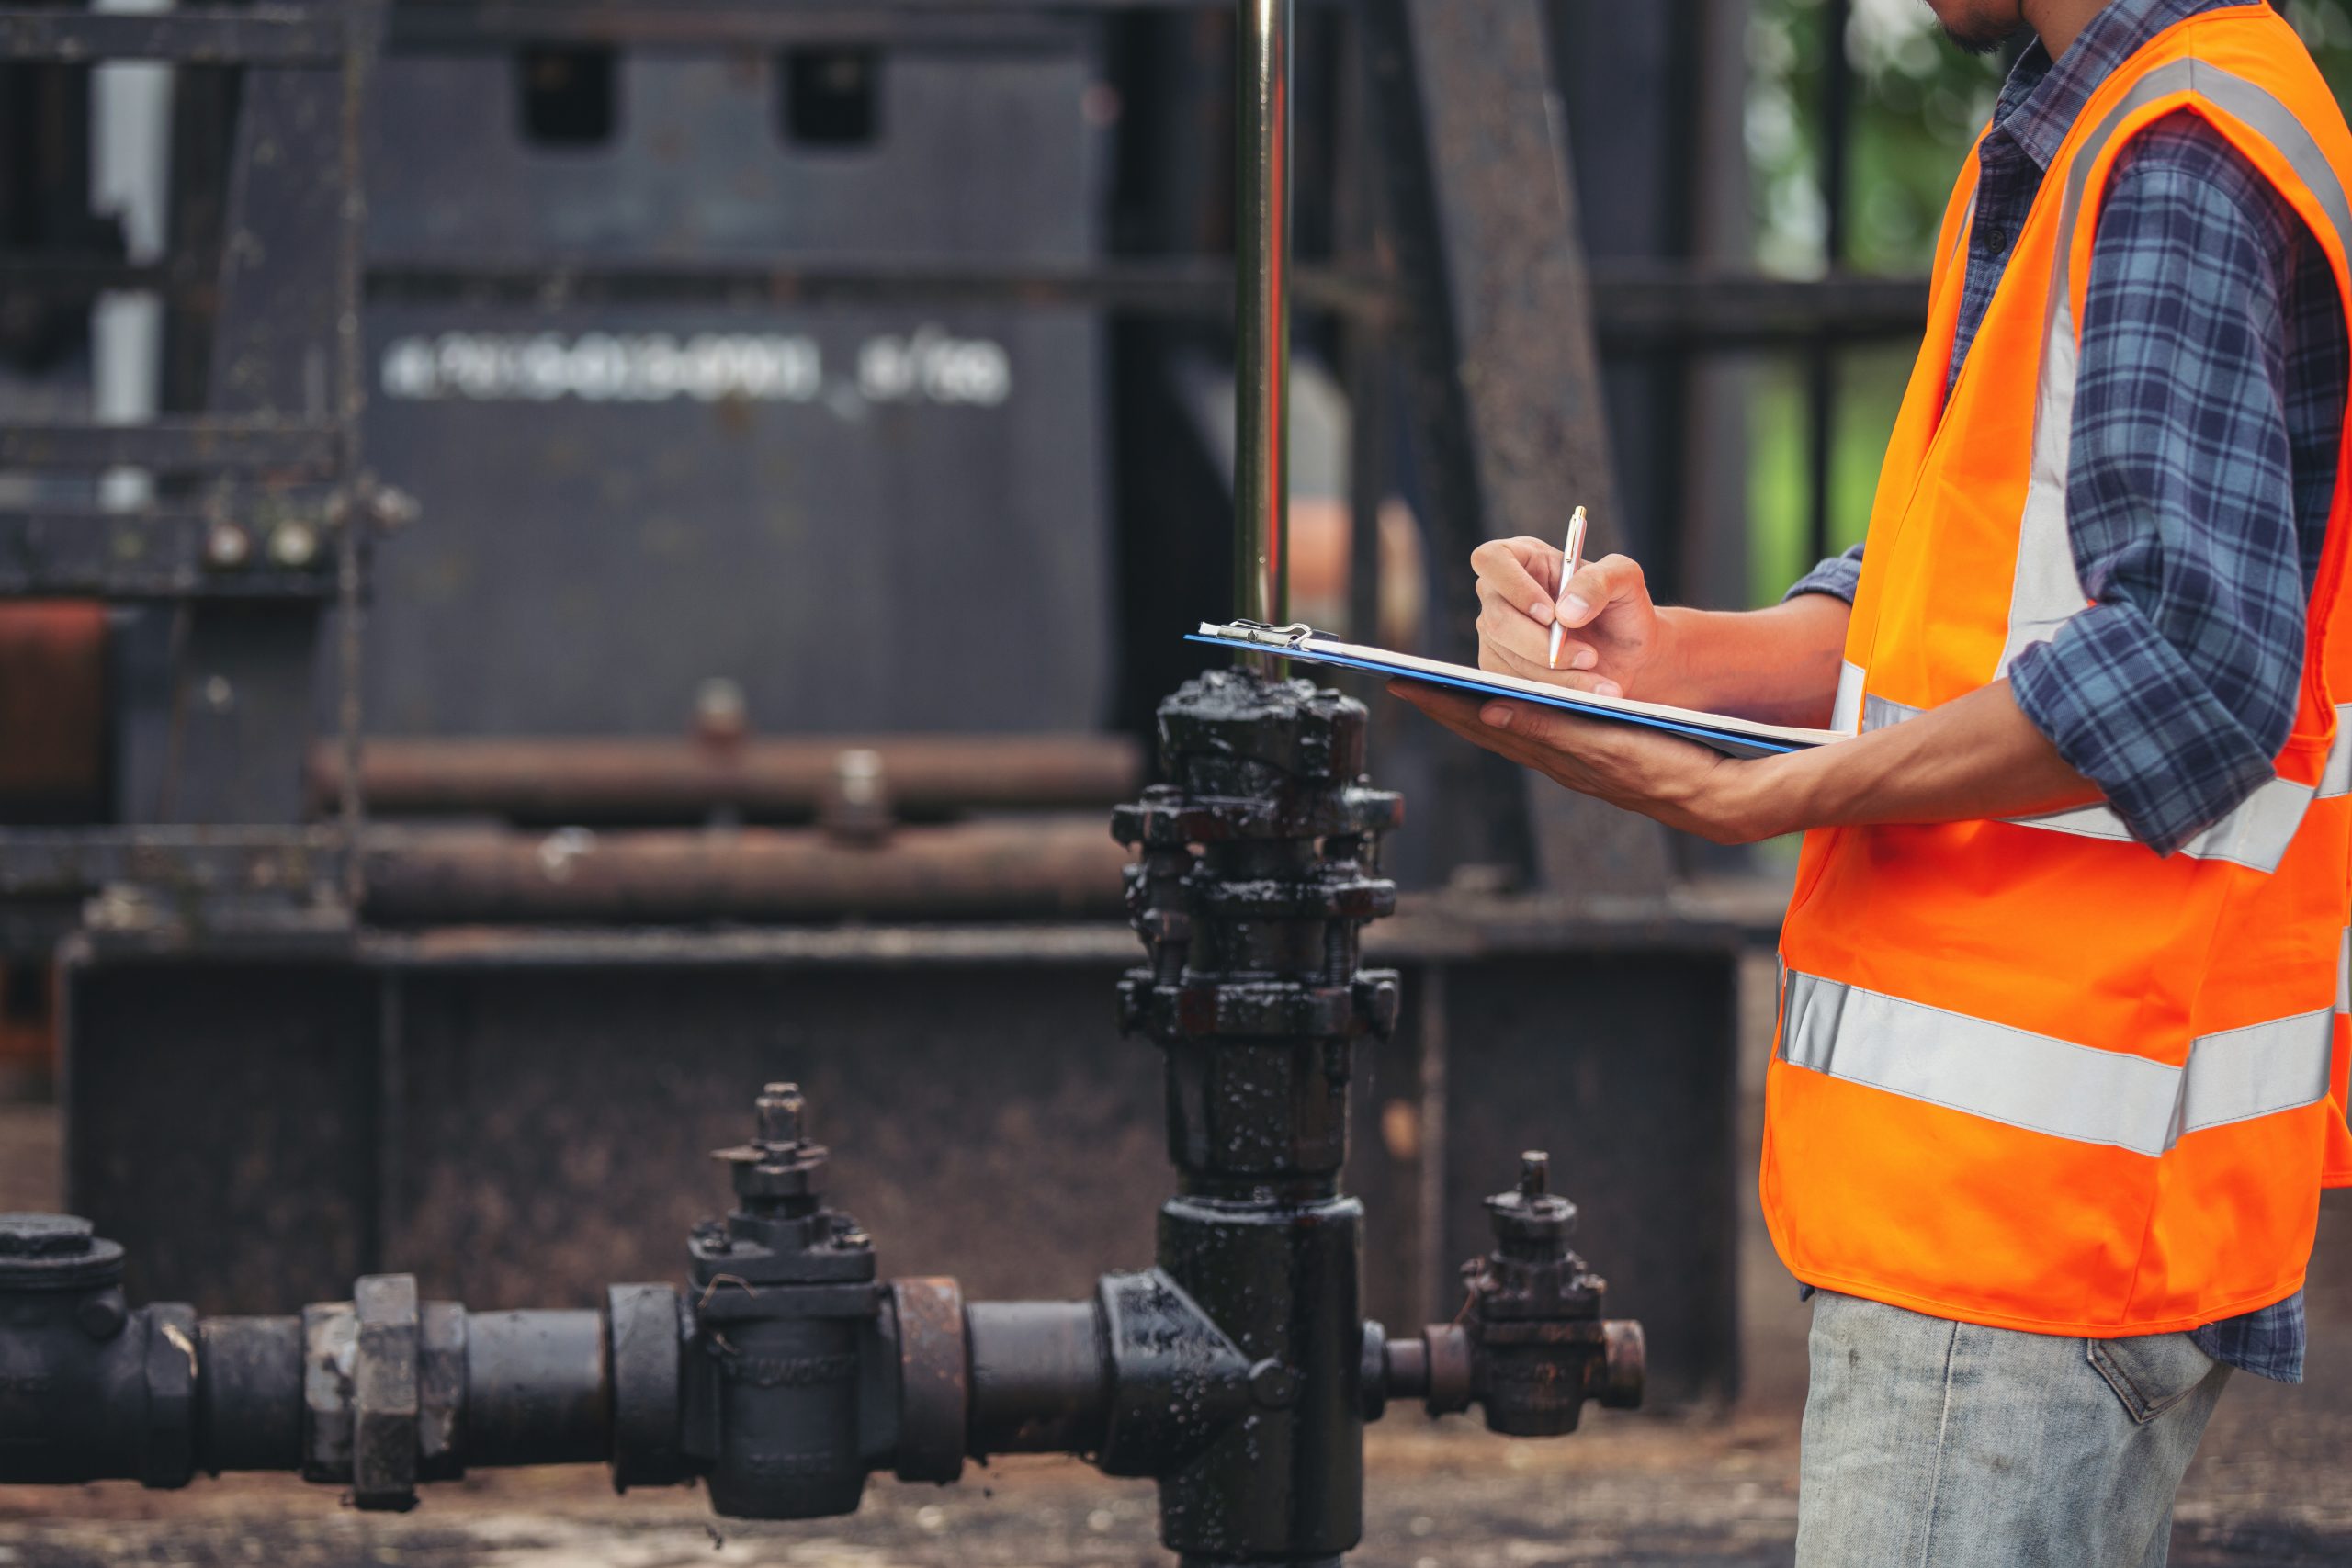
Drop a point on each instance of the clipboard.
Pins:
(1732, 737)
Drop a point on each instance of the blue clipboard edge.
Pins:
(1749, 745)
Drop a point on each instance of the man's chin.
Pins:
(1977, 41)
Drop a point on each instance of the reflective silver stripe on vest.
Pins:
(2256, 834)
(2047, 1085)
(1847, 716)
(2046, 591)
(1878, 713)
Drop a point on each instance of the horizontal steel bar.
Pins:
(449, 26)
(1637, 305)
(277, 36)
(60, 553)
(1646, 304)
(81, 276)
(176, 447)
(39, 862)
(629, 778)
(1435, 927)
(1013, 868)
(1187, 286)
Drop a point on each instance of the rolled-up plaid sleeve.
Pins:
(1838, 577)
(2176, 688)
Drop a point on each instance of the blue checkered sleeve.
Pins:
(1838, 577)
(2177, 687)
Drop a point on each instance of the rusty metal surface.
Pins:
(52, 711)
(626, 778)
(1011, 868)
(935, 1378)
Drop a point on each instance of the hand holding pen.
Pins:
(1550, 615)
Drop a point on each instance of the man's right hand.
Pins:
(1615, 639)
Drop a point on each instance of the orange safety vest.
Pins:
(2028, 1073)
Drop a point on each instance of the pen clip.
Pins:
(1291, 635)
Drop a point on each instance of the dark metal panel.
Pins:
(242, 696)
(219, 1110)
(763, 487)
(583, 566)
(978, 158)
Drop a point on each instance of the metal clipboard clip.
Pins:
(1291, 635)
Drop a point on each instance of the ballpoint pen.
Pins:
(1571, 559)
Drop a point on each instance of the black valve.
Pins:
(1529, 1345)
(1539, 1347)
(102, 1390)
(784, 1297)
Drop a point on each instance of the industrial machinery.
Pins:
(1239, 1372)
(472, 813)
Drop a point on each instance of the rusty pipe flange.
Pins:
(646, 1329)
(935, 1379)
(1625, 1365)
(330, 1351)
(1451, 1368)
(440, 1391)
(168, 1456)
(384, 1393)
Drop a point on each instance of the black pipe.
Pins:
(534, 1389)
(249, 1393)
(1041, 1378)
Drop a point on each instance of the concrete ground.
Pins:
(2272, 1486)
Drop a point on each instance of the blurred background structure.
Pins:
(560, 559)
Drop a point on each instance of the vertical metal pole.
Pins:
(1262, 311)
(1821, 368)
(362, 20)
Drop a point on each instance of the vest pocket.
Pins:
(2150, 1372)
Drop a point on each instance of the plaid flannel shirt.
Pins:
(2206, 422)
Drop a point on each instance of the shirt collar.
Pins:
(2039, 100)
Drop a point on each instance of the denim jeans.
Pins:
(1930, 1444)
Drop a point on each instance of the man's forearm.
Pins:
(1978, 757)
(1778, 666)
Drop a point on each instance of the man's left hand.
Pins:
(1677, 781)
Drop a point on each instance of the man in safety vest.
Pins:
(2061, 1063)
